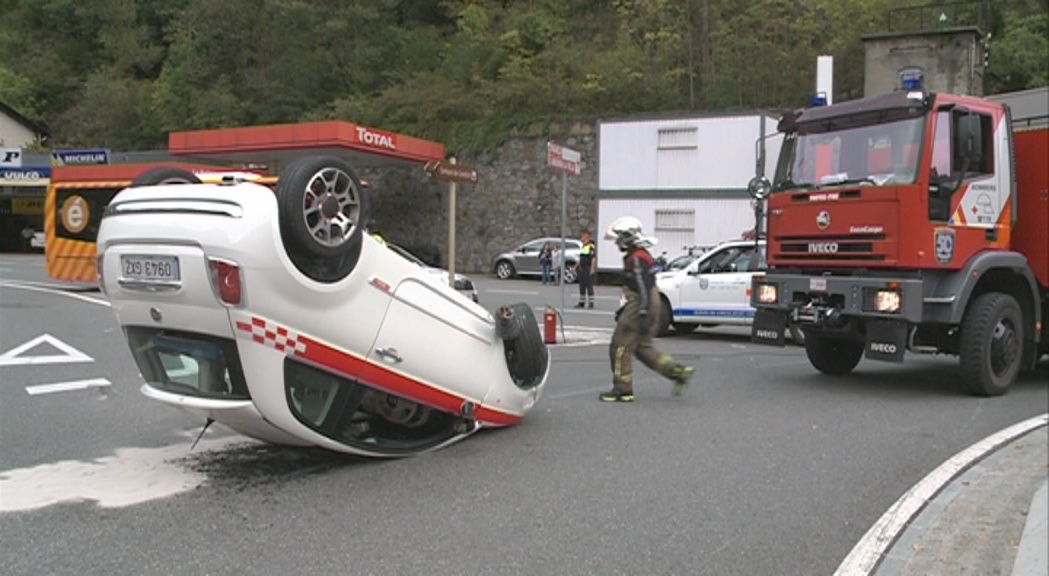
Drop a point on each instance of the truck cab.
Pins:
(894, 224)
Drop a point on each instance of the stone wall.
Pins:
(516, 198)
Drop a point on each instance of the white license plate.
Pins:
(150, 268)
(818, 284)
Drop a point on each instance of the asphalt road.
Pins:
(764, 467)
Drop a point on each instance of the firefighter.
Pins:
(637, 319)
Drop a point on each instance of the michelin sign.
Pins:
(80, 157)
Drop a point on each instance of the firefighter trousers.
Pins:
(630, 339)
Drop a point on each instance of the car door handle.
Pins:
(389, 354)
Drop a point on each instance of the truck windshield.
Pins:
(836, 153)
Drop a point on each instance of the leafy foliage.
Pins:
(122, 73)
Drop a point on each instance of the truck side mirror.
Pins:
(970, 138)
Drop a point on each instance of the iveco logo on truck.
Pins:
(823, 220)
(766, 334)
(823, 247)
(883, 347)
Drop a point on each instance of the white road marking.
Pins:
(50, 290)
(66, 386)
(13, 356)
(131, 476)
(864, 557)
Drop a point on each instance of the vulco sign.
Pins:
(377, 139)
(823, 247)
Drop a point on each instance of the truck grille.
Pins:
(857, 247)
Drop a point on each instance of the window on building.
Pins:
(678, 138)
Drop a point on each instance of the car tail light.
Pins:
(225, 278)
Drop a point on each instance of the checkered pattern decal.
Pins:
(270, 334)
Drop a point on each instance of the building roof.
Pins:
(37, 127)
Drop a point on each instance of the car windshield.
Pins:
(851, 152)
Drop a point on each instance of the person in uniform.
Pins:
(637, 320)
(586, 270)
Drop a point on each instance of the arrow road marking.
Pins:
(66, 386)
(69, 354)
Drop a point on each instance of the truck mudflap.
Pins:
(886, 340)
(769, 327)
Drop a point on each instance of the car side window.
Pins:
(718, 261)
(743, 261)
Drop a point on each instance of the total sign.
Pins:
(376, 139)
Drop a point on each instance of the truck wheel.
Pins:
(832, 355)
(158, 176)
(526, 355)
(322, 209)
(991, 344)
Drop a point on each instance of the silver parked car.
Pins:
(523, 260)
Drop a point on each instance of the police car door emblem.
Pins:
(704, 283)
(944, 245)
(823, 220)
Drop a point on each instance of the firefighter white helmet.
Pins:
(626, 231)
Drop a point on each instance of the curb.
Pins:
(873, 546)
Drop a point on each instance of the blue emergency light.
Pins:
(819, 100)
(913, 83)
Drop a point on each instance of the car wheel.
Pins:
(504, 270)
(666, 316)
(323, 209)
(570, 276)
(684, 327)
(158, 176)
(526, 355)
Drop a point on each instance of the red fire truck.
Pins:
(911, 221)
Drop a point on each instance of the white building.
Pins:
(685, 178)
(17, 131)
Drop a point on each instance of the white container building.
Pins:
(685, 178)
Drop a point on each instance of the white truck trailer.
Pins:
(685, 178)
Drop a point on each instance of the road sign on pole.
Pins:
(566, 161)
(451, 172)
(563, 159)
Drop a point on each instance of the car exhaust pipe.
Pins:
(506, 325)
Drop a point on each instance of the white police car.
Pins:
(713, 290)
(271, 312)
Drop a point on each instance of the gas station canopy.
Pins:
(278, 144)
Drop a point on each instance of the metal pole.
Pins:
(451, 230)
(564, 221)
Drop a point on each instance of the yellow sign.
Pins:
(75, 214)
(27, 205)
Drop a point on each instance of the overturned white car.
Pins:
(271, 312)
